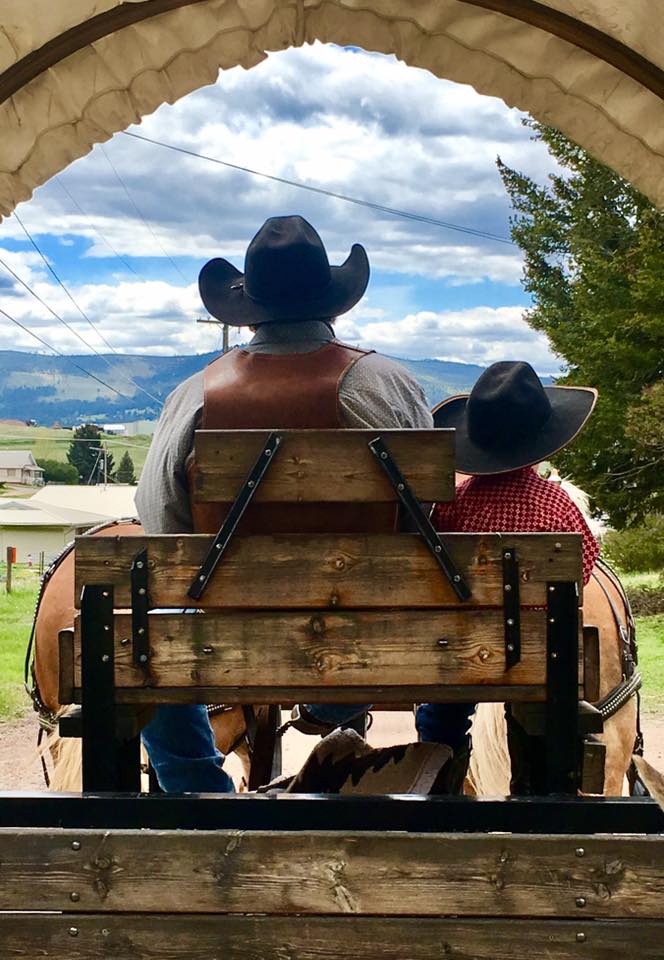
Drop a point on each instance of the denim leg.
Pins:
(182, 751)
(336, 714)
(444, 723)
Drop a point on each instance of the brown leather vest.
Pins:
(253, 391)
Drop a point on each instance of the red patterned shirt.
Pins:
(515, 502)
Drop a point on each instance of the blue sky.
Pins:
(350, 122)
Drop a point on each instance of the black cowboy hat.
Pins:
(287, 276)
(510, 420)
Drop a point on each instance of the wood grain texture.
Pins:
(195, 937)
(324, 466)
(330, 571)
(332, 873)
(355, 648)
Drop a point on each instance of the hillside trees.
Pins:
(594, 265)
(125, 472)
(84, 454)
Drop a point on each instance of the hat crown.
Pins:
(507, 403)
(286, 260)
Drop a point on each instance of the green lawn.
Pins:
(16, 612)
(49, 444)
(650, 637)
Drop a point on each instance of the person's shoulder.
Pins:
(189, 392)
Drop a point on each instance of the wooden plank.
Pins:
(306, 872)
(330, 570)
(346, 648)
(283, 695)
(195, 937)
(324, 466)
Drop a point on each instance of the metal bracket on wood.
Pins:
(511, 607)
(235, 514)
(414, 509)
(139, 609)
(562, 687)
(98, 689)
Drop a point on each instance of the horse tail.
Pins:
(489, 770)
(65, 761)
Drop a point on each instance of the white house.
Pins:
(19, 466)
(52, 517)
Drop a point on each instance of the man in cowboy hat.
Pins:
(293, 373)
(508, 424)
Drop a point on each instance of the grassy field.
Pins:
(48, 444)
(17, 609)
(16, 612)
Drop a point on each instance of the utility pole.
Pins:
(218, 323)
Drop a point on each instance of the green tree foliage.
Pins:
(84, 454)
(594, 265)
(125, 472)
(639, 549)
(57, 472)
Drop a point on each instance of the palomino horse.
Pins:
(605, 606)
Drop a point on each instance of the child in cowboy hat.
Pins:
(506, 425)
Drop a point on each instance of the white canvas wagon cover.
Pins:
(74, 72)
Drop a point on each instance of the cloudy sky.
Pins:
(128, 227)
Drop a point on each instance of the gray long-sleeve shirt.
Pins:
(376, 392)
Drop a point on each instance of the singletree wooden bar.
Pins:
(329, 570)
(393, 874)
(324, 466)
(196, 937)
(355, 648)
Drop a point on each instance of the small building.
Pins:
(56, 514)
(19, 466)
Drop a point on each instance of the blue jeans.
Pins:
(435, 722)
(182, 751)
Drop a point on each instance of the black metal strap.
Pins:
(424, 526)
(233, 517)
(139, 609)
(511, 607)
(98, 689)
(562, 687)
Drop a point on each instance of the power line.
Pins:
(393, 211)
(63, 355)
(101, 236)
(138, 211)
(119, 442)
(83, 314)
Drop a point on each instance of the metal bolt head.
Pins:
(268, 452)
(251, 484)
(75, 845)
(202, 577)
(74, 897)
(105, 932)
(207, 650)
(124, 641)
(552, 619)
(217, 546)
(552, 589)
(140, 631)
(383, 456)
(141, 591)
(580, 901)
(580, 938)
(139, 565)
(558, 546)
(508, 587)
(442, 643)
(400, 486)
(457, 578)
(510, 648)
(104, 593)
(508, 556)
(73, 931)
(554, 655)
(510, 622)
(105, 658)
(580, 852)
(438, 548)
(143, 658)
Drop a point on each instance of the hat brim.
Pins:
(570, 408)
(223, 294)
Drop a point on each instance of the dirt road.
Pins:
(20, 767)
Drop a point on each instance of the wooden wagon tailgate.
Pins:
(364, 571)
(186, 894)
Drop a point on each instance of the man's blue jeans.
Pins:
(180, 744)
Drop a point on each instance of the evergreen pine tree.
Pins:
(125, 472)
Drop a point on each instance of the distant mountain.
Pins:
(49, 389)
